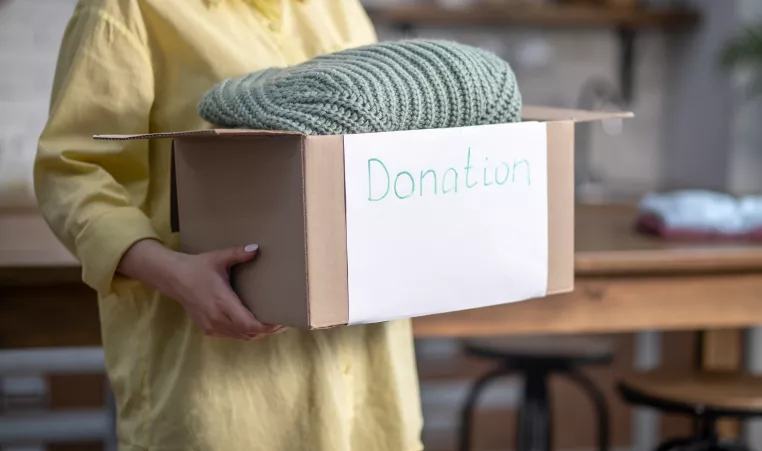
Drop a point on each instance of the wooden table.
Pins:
(627, 282)
(624, 283)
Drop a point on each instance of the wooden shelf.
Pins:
(625, 21)
(571, 16)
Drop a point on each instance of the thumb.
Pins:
(235, 255)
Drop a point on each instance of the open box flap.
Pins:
(548, 114)
(528, 113)
(191, 133)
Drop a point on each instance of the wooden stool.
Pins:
(705, 396)
(536, 359)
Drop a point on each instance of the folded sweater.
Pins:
(390, 86)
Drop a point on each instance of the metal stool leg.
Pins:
(707, 428)
(534, 423)
(601, 408)
(111, 442)
(468, 408)
(678, 444)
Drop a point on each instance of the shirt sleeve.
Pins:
(92, 193)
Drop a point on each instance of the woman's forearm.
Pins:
(150, 262)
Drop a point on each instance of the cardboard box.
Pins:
(365, 228)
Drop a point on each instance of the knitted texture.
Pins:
(407, 85)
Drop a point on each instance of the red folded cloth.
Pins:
(652, 224)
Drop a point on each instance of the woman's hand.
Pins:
(201, 283)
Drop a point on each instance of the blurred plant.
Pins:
(744, 52)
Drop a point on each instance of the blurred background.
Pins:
(696, 125)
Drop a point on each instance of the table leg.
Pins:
(722, 350)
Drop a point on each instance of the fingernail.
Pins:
(251, 248)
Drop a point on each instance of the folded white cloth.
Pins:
(700, 210)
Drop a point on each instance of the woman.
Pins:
(191, 368)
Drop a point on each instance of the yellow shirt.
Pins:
(135, 66)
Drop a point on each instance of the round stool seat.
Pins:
(549, 350)
(537, 359)
(719, 393)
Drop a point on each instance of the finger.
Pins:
(243, 321)
(233, 330)
(220, 326)
(246, 324)
(275, 331)
(235, 255)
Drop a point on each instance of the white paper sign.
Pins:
(445, 220)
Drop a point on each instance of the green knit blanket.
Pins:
(391, 86)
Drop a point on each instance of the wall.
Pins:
(30, 34)
(699, 103)
(746, 152)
